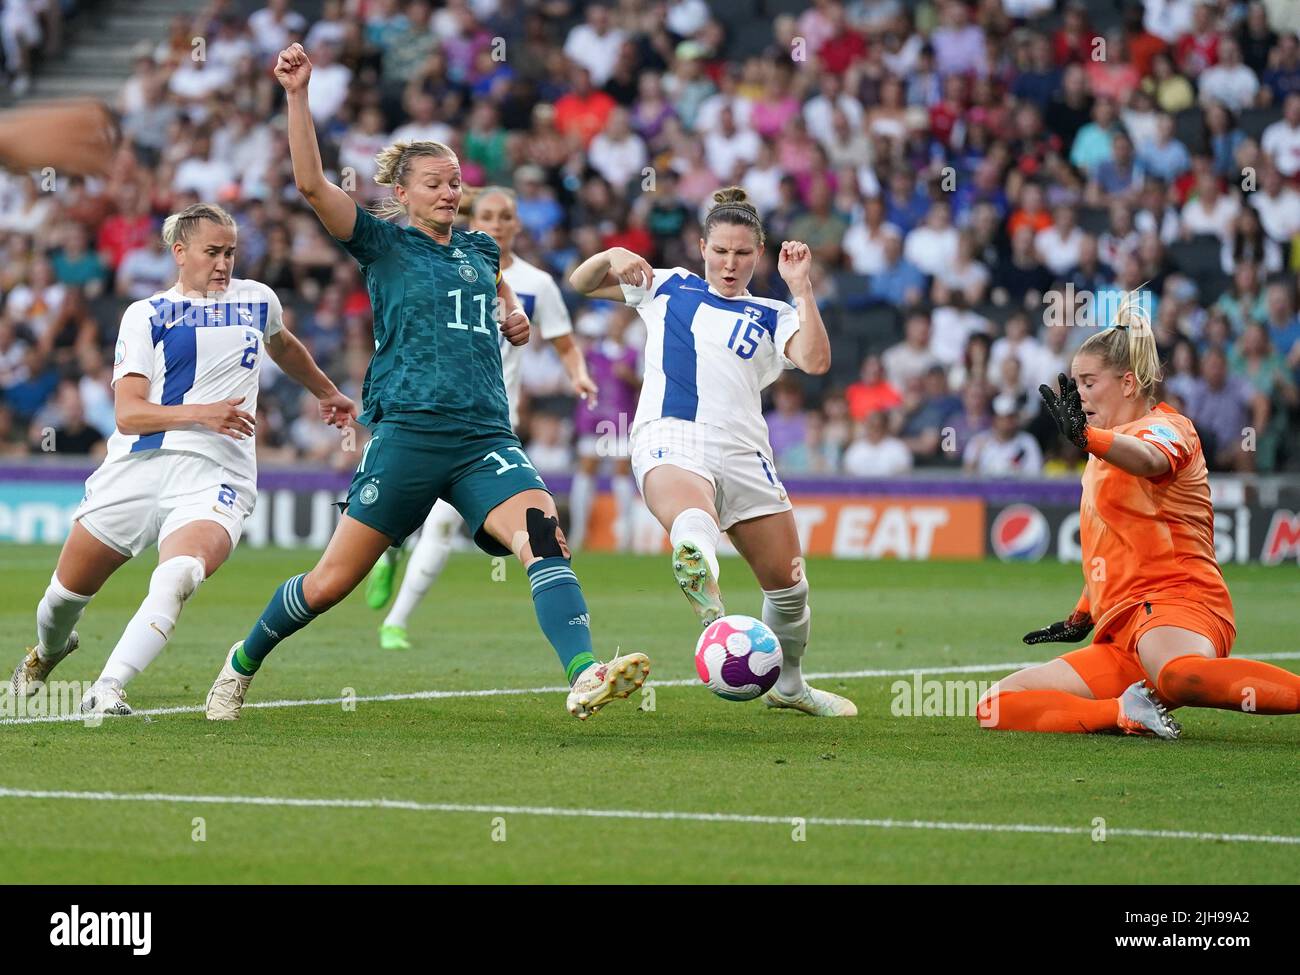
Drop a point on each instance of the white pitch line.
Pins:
(560, 689)
(643, 814)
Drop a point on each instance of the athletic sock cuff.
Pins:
(242, 663)
(295, 602)
(577, 665)
(64, 593)
(550, 572)
(790, 601)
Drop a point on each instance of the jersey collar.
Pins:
(744, 295)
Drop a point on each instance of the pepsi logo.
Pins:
(1020, 533)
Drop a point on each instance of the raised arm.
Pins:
(1128, 453)
(810, 347)
(337, 210)
(601, 275)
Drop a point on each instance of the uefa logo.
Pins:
(1020, 533)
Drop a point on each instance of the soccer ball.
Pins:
(738, 658)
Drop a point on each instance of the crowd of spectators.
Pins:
(979, 182)
(29, 31)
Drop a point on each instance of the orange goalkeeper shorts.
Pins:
(1111, 664)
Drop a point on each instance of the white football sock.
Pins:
(697, 526)
(787, 612)
(56, 615)
(624, 501)
(580, 498)
(171, 584)
(428, 559)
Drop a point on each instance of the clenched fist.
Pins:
(293, 68)
(515, 327)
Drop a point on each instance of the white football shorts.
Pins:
(745, 482)
(138, 500)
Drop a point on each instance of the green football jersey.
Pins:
(437, 355)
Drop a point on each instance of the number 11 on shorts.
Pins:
(505, 465)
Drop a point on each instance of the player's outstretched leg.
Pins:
(427, 561)
(287, 613)
(352, 552)
(173, 582)
(1135, 712)
(694, 537)
(682, 501)
(528, 524)
(85, 564)
(770, 544)
(1233, 684)
(1054, 697)
(56, 614)
(186, 557)
(1184, 666)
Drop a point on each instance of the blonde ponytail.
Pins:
(1129, 345)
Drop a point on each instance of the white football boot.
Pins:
(105, 697)
(226, 697)
(1141, 714)
(691, 570)
(820, 704)
(32, 672)
(601, 683)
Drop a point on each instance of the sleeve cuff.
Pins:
(1097, 441)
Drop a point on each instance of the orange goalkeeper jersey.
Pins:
(1149, 538)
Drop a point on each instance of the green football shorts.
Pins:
(403, 471)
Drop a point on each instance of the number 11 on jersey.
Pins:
(482, 313)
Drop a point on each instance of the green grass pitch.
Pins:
(693, 753)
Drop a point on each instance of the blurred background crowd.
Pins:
(978, 181)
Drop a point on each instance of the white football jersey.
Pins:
(540, 296)
(197, 350)
(709, 358)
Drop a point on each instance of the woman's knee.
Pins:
(669, 491)
(325, 587)
(541, 536)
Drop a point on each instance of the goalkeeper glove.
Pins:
(1067, 411)
(1071, 630)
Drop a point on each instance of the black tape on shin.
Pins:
(544, 535)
